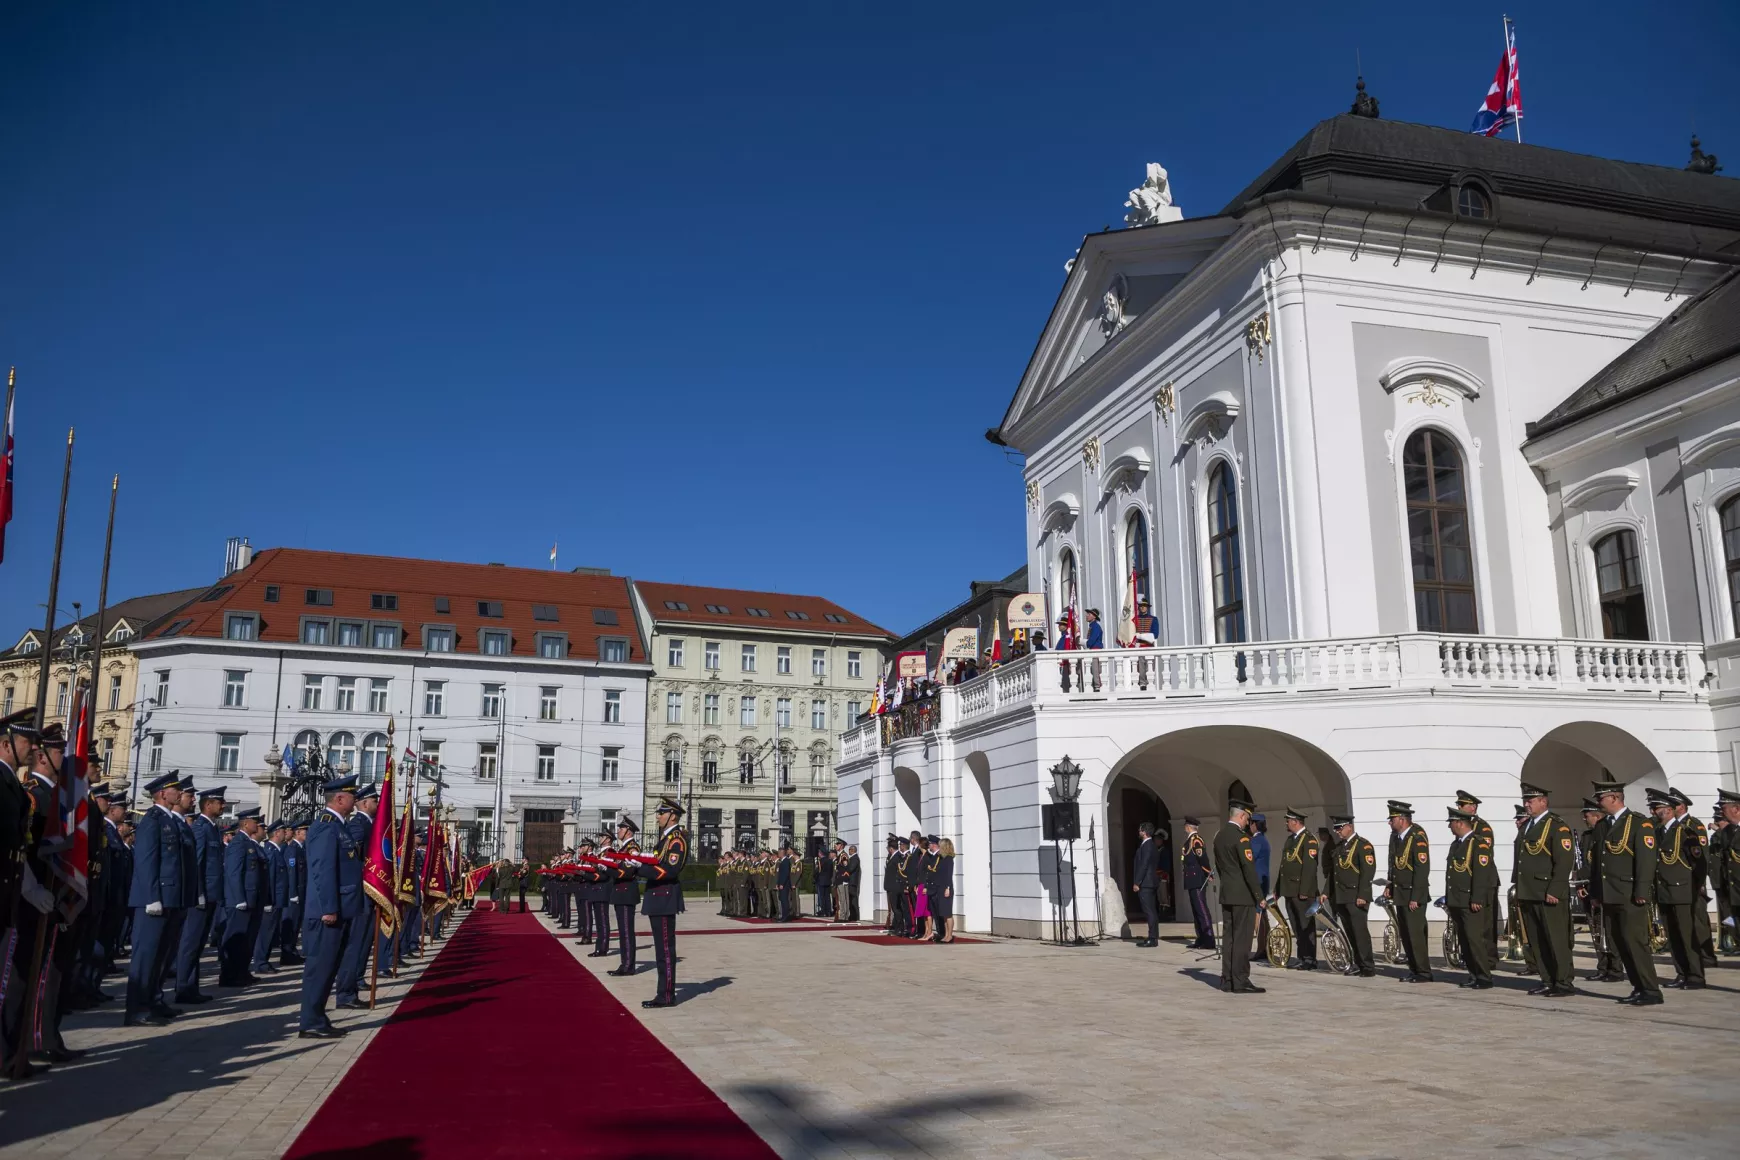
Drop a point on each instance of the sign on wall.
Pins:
(910, 664)
(1027, 611)
(961, 644)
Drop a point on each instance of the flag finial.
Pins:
(1701, 162)
(1364, 104)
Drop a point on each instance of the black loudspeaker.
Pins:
(1062, 822)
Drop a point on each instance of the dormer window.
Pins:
(1473, 202)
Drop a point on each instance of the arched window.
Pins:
(340, 749)
(746, 762)
(819, 776)
(1136, 555)
(1236, 792)
(374, 756)
(1066, 585)
(305, 740)
(1472, 202)
(1438, 534)
(1730, 551)
(1620, 578)
(673, 760)
(1227, 584)
(711, 750)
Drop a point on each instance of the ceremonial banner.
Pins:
(379, 871)
(1027, 611)
(910, 665)
(961, 644)
(66, 838)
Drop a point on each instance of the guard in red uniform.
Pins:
(663, 873)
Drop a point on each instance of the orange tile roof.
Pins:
(354, 580)
(731, 606)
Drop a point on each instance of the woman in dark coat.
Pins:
(942, 889)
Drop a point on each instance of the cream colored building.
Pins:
(747, 688)
(119, 698)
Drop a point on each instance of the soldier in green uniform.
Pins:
(1470, 882)
(1607, 969)
(1409, 888)
(1353, 865)
(1491, 914)
(1625, 868)
(1676, 891)
(1235, 863)
(1696, 831)
(1296, 884)
(1540, 871)
(1725, 866)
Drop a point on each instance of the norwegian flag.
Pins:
(1503, 105)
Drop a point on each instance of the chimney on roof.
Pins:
(238, 554)
(585, 571)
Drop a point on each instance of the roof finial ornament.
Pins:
(1364, 104)
(1701, 162)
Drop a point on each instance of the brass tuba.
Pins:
(1280, 944)
(1517, 947)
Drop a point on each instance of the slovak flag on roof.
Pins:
(1503, 105)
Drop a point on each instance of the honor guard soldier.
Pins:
(1540, 871)
(247, 894)
(1725, 866)
(1607, 968)
(157, 899)
(1676, 891)
(585, 874)
(334, 898)
(1409, 888)
(277, 896)
(1696, 832)
(625, 893)
(1347, 892)
(353, 964)
(664, 897)
(1197, 872)
(1625, 868)
(599, 897)
(1240, 893)
(208, 856)
(1470, 883)
(1296, 885)
(290, 925)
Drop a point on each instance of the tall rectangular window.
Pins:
(546, 763)
(782, 712)
(674, 654)
(495, 644)
(377, 694)
(710, 769)
(610, 768)
(154, 761)
(238, 626)
(430, 757)
(312, 687)
(492, 701)
(235, 689)
(229, 752)
(350, 633)
(712, 656)
(673, 708)
(673, 766)
(383, 636)
(62, 699)
(748, 658)
(114, 692)
(486, 761)
(434, 698)
(6, 708)
(818, 714)
(746, 767)
(108, 750)
(547, 702)
(818, 662)
(746, 711)
(782, 659)
(162, 697)
(854, 664)
(710, 709)
(853, 709)
(346, 701)
(438, 639)
(613, 706)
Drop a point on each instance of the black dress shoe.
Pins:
(321, 1033)
(1425, 978)
(620, 972)
(1227, 987)
(1482, 984)
(1368, 974)
(599, 955)
(1694, 985)
(61, 1055)
(356, 1005)
(1648, 1000)
(1468, 983)
(138, 1019)
(291, 961)
(192, 999)
(1540, 990)
(1250, 989)
(1631, 997)
(659, 1003)
(267, 968)
(165, 1011)
(1560, 992)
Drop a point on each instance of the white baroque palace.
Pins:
(1424, 450)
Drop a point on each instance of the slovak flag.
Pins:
(1503, 105)
(552, 555)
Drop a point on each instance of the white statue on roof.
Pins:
(1151, 202)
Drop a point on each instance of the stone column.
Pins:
(271, 784)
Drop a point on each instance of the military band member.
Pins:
(1607, 968)
(1409, 890)
(1470, 883)
(1296, 885)
(334, 898)
(1492, 914)
(1541, 873)
(1697, 832)
(1347, 891)
(1625, 859)
(1240, 893)
(664, 897)
(1676, 891)
(625, 893)
(895, 881)
(156, 899)
(1197, 872)
(585, 874)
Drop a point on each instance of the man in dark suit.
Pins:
(785, 881)
(891, 886)
(849, 882)
(208, 856)
(824, 878)
(1240, 893)
(1145, 882)
(156, 899)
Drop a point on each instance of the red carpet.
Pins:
(507, 1047)
(889, 940)
(753, 919)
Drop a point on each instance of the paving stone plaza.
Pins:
(829, 1047)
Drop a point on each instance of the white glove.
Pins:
(268, 910)
(154, 909)
(202, 902)
(295, 898)
(241, 906)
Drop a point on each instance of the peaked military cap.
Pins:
(1295, 814)
(892, 840)
(279, 824)
(1602, 787)
(345, 784)
(215, 792)
(628, 823)
(667, 806)
(163, 782)
(1529, 791)
(1522, 811)
(1658, 797)
(1457, 815)
(368, 791)
(1401, 810)
(1679, 795)
(251, 812)
(101, 789)
(1339, 820)
(22, 723)
(1464, 798)
(1727, 795)
(932, 839)
(185, 785)
(52, 736)
(1239, 804)
(1191, 821)
(1591, 806)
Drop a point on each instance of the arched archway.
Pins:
(1566, 760)
(908, 804)
(973, 856)
(1130, 801)
(1190, 772)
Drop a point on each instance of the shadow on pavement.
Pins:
(790, 1111)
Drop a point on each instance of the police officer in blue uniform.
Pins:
(664, 897)
(208, 856)
(247, 894)
(334, 898)
(290, 923)
(157, 900)
(277, 893)
(360, 825)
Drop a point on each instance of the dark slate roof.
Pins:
(142, 613)
(1393, 162)
(1702, 331)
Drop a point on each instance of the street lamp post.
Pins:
(1065, 791)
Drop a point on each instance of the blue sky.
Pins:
(715, 294)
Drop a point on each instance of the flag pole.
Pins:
(1510, 69)
(53, 588)
(103, 597)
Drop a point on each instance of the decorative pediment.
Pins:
(1700, 451)
(1211, 416)
(1623, 481)
(1126, 471)
(1427, 377)
(1060, 513)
